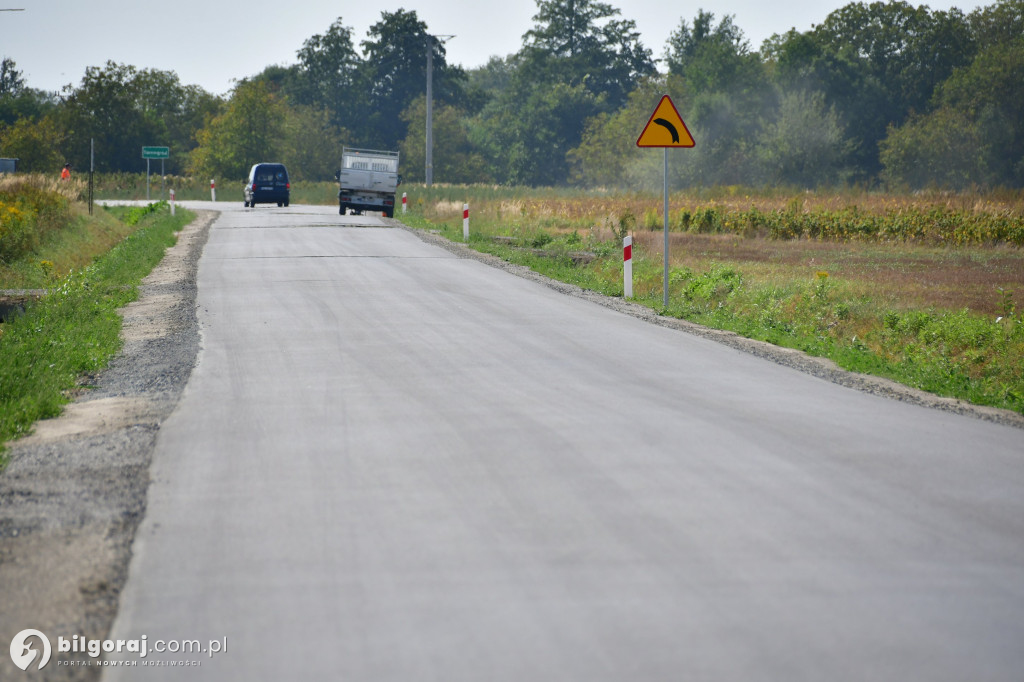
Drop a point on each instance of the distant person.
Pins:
(65, 173)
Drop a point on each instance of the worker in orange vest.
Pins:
(65, 173)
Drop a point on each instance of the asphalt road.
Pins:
(392, 463)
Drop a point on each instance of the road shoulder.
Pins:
(75, 489)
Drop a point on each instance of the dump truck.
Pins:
(367, 181)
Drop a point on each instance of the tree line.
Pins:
(884, 93)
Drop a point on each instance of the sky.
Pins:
(213, 43)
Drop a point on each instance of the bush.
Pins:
(29, 211)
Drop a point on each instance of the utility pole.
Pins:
(431, 41)
(429, 170)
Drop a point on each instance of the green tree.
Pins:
(875, 63)
(173, 111)
(712, 57)
(250, 130)
(123, 109)
(974, 135)
(531, 141)
(577, 61)
(35, 143)
(804, 144)
(455, 158)
(28, 103)
(727, 98)
(998, 24)
(493, 78)
(581, 42)
(989, 91)
(11, 80)
(607, 155)
(395, 70)
(104, 108)
(17, 100)
(285, 81)
(312, 145)
(942, 149)
(331, 75)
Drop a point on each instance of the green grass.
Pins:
(74, 331)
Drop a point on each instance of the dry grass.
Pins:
(447, 209)
(72, 189)
(574, 209)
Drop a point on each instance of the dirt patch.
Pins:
(950, 279)
(75, 490)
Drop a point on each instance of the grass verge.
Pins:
(49, 352)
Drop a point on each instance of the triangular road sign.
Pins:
(665, 128)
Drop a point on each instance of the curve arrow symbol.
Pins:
(671, 129)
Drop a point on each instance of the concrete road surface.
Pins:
(392, 463)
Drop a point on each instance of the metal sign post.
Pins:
(668, 131)
(92, 170)
(155, 153)
(665, 282)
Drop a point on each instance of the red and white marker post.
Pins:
(172, 202)
(405, 203)
(465, 222)
(627, 267)
(213, 190)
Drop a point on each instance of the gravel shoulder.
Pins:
(75, 489)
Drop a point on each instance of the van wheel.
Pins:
(280, 204)
(341, 210)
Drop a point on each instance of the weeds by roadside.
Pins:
(74, 330)
(31, 209)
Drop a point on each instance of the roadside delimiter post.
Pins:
(627, 267)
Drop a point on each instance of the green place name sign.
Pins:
(156, 152)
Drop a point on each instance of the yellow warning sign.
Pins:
(665, 128)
